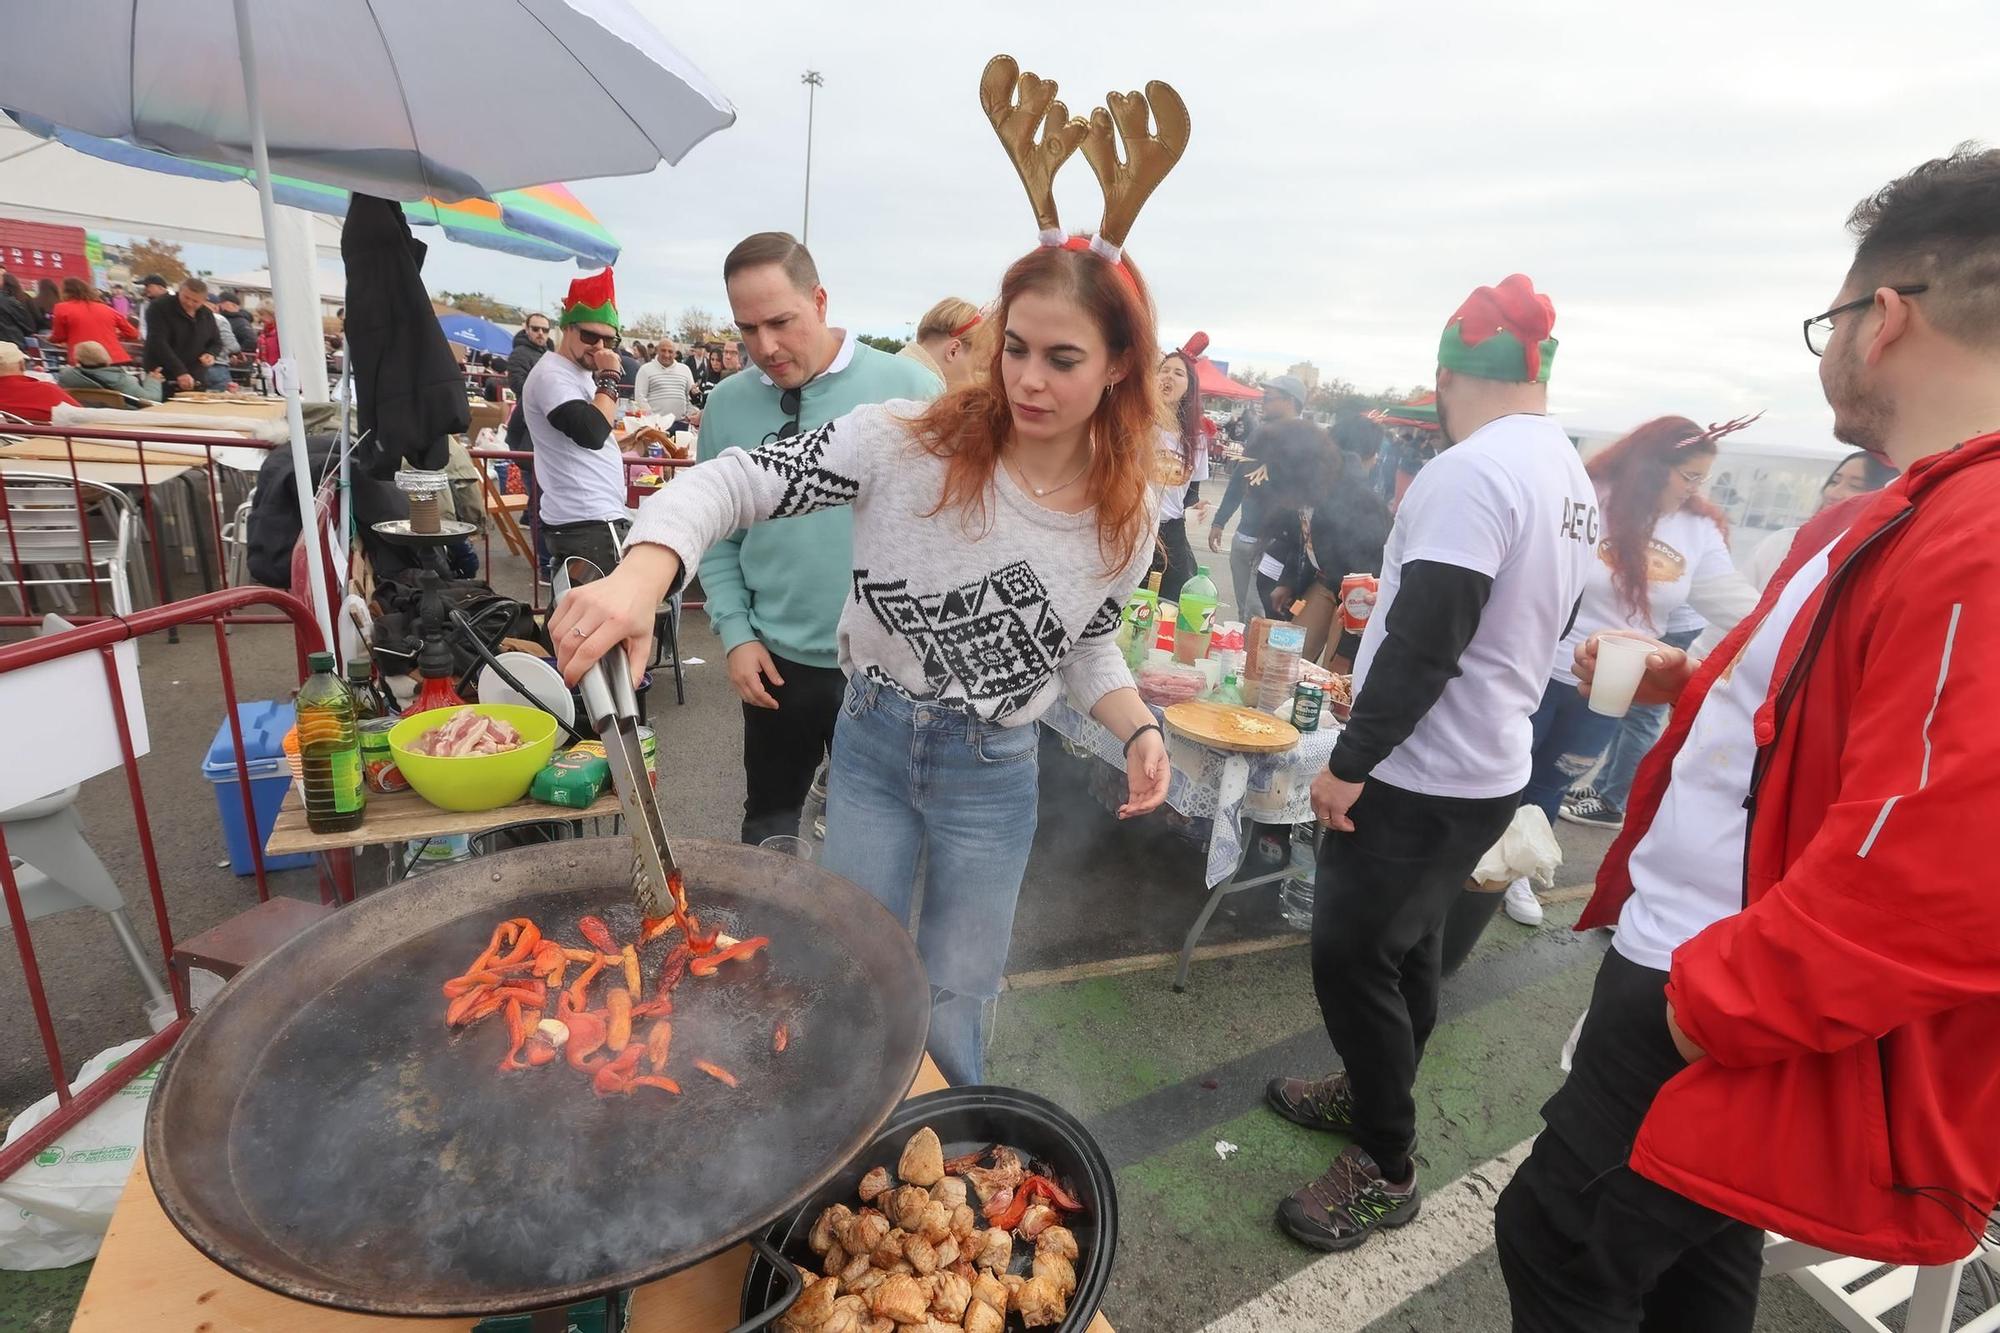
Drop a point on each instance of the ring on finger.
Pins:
(579, 633)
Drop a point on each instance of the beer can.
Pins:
(1306, 704)
(1357, 601)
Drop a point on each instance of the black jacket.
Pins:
(519, 362)
(409, 385)
(17, 322)
(176, 341)
(244, 331)
(1349, 529)
(274, 516)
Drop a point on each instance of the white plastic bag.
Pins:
(54, 1210)
(1527, 850)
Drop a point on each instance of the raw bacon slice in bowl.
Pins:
(475, 757)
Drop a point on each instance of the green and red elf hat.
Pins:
(1502, 333)
(590, 301)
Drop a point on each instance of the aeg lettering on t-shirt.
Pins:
(1579, 522)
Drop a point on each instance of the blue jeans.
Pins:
(1569, 740)
(909, 777)
(1636, 735)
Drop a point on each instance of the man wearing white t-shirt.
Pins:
(1480, 581)
(569, 403)
(1794, 1027)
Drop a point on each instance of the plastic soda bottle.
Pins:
(1197, 617)
(329, 750)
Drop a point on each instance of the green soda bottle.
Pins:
(1197, 617)
(329, 750)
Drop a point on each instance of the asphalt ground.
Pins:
(1090, 1020)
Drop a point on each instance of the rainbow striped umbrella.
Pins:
(540, 222)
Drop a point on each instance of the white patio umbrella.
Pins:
(396, 98)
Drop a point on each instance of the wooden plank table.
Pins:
(148, 1276)
(403, 816)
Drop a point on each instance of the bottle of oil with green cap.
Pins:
(329, 750)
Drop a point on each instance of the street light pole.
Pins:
(814, 82)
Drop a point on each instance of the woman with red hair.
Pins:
(1664, 547)
(997, 532)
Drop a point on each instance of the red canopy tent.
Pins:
(1209, 377)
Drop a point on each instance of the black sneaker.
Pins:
(1348, 1204)
(1317, 1103)
(1592, 811)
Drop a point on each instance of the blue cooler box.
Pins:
(264, 726)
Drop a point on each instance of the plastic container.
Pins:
(1278, 668)
(330, 750)
(264, 724)
(475, 781)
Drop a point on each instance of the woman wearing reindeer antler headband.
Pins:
(996, 534)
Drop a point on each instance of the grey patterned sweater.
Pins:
(941, 607)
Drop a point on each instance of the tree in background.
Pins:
(156, 256)
(882, 342)
(484, 306)
(649, 327)
(697, 326)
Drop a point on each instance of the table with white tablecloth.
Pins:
(1223, 787)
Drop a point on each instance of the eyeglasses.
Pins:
(1819, 329)
(595, 339)
(788, 403)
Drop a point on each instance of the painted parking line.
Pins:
(1342, 1293)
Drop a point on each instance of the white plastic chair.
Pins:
(236, 541)
(1931, 1294)
(45, 533)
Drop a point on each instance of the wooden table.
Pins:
(148, 1276)
(240, 406)
(404, 815)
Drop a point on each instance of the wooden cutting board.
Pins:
(1215, 725)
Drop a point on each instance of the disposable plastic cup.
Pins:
(1621, 664)
(786, 845)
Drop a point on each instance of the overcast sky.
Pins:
(1677, 182)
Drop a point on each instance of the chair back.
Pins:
(47, 520)
(97, 397)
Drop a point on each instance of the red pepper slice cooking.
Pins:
(706, 965)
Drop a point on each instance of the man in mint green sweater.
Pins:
(775, 592)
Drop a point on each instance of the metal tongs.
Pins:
(613, 710)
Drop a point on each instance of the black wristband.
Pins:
(1150, 726)
(607, 382)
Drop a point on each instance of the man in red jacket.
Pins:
(1795, 1027)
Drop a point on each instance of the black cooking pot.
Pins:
(967, 1119)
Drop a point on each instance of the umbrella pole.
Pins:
(267, 206)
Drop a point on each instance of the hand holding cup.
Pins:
(1619, 668)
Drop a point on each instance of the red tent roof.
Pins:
(1215, 384)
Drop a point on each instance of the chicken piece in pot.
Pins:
(879, 1325)
(813, 1307)
(835, 1260)
(889, 1252)
(934, 1223)
(1039, 1218)
(950, 1297)
(875, 1184)
(984, 1319)
(903, 1299)
(988, 1181)
(1041, 1302)
(964, 1222)
(991, 1291)
(870, 1278)
(1057, 1240)
(828, 1227)
(921, 1254)
(923, 1159)
(857, 1267)
(947, 1253)
(996, 1250)
(844, 1319)
(951, 1192)
(864, 1232)
(1058, 1270)
(905, 1207)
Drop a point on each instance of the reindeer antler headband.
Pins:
(1715, 432)
(1040, 135)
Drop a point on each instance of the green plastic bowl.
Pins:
(475, 781)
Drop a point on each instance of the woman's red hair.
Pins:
(1631, 476)
(968, 426)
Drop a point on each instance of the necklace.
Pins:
(1044, 491)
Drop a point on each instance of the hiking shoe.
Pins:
(1348, 1204)
(1592, 811)
(1317, 1103)
(1522, 904)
